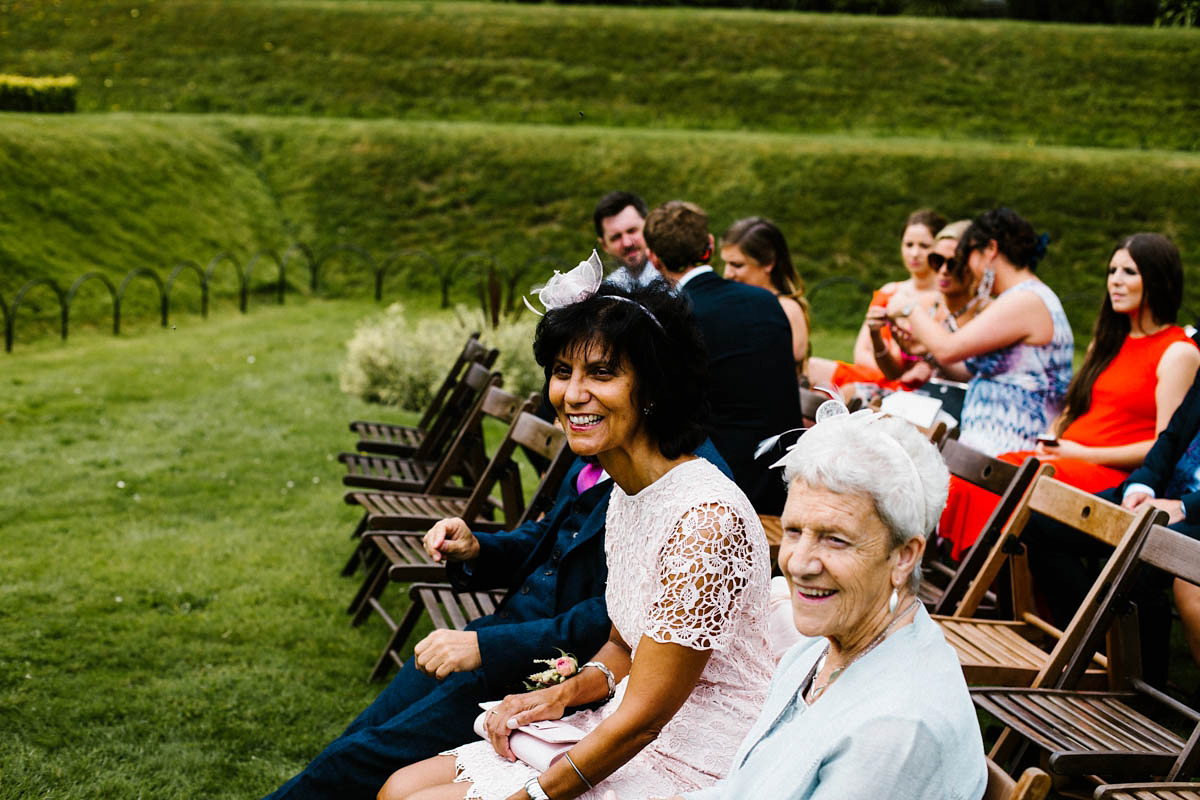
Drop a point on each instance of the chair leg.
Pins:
(356, 557)
(391, 653)
(373, 584)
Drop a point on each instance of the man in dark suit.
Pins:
(752, 375)
(555, 571)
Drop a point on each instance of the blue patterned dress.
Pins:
(1017, 391)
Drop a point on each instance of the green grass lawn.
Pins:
(171, 618)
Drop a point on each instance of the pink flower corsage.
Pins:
(559, 670)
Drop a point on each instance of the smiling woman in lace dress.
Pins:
(687, 663)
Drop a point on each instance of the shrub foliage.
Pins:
(48, 95)
(393, 361)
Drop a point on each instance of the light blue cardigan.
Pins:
(898, 723)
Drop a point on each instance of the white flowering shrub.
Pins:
(394, 361)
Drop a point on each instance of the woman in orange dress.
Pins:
(919, 287)
(1137, 370)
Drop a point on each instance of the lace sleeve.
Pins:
(703, 567)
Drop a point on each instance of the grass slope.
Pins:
(622, 67)
(155, 188)
(171, 619)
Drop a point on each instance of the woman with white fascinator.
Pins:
(687, 663)
(871, 701)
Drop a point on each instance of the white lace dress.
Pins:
(687, 564)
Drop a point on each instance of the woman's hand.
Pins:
(516, 710)
(1066, 448)
(451, 540)
(876, 318)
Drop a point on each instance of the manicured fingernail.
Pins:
(512, 722)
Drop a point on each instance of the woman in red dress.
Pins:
(1136, 371)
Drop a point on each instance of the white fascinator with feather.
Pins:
(571, 287)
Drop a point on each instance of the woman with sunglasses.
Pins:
(1136, 372)
(1019, 349)
(919, 287)
(957, 305)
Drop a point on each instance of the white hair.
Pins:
(887, 458)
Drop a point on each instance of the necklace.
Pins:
(816, 691)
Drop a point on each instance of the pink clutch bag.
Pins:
(538, 744)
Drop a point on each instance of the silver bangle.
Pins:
(608, 676)
(567, 756)
(535, 790)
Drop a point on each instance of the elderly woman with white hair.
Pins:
(871, 701)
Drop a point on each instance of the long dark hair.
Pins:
(1015, 238)
(1161, 269)
(665, 351)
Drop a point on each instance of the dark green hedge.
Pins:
(1120, 12)
(18, 93)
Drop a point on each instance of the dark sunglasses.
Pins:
(937, 261)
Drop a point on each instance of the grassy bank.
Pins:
(171, 618)
(660, 68)
(109, 192)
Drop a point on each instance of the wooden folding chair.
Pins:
(1034, 784)
(446, 608)
(1148, 791)
(399, 539)
(947, 583)
(1011, 652)
(439, 422)
(462, 457)
(438, 504)
(1106, 733)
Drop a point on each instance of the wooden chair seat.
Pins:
(389, 474)
(1082, 730)
(995, 651)
(1148, 791)
(402, 560)
(396, 511)
(386, 437)
(446, 608)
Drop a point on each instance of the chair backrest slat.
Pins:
(472, 351)
(463, 397)
(1173, 553)
(491, 399)
(977, 468)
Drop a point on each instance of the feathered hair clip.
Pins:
(565, 289)
(576, 285)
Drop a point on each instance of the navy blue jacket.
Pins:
(567, 546)
(752, 379)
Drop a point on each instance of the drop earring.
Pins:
(893, 601)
